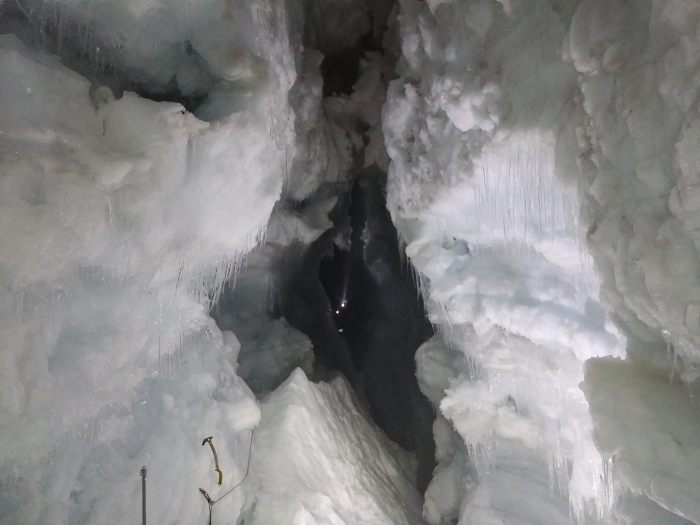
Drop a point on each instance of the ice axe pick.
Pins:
(216, 458)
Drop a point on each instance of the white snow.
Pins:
(642, 424)
(544, 182)
(122, 218)
(118, 225)
(325, 463)
(319, 156)
(517, 130)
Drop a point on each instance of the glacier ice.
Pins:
(543, 177)
(271, 348)
(119, 224)
(533, 156)
(660, 461)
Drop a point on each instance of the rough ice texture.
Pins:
(516, 131)
(318, 156)
(118, 225)
(663, 460)
(207, 47)
(639, 160)
(325, 463)
(270, 348)
(639, 80)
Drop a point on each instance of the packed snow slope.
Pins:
(325, 463)
(544, 172)
(120, 220)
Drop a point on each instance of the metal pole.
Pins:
(143, 495)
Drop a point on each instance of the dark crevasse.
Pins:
(350, 291)
(356, 299)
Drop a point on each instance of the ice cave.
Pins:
(349, 262)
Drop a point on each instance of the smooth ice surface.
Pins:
(324, 462)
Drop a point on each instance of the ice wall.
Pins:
(526, 137)
(638, 76)
(120, 220)
(211, 48)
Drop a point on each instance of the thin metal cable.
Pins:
(247, 469)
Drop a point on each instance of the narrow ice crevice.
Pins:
(356, 300)
(528, 141)
(351, 471)
(122, 218)
(320, 436)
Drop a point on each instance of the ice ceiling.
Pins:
(173, 175)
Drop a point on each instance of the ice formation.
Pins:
(121, 219)
(517, 131)
(270, 347)
(542, 163)
(324, 463)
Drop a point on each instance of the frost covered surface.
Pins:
(638, 72)
(270, 348)
(638, 75)
(325, 462)
(662, 461)
(118, 223)
(318, 156)
(516, 131)
(640, 163)
(509, 119)
(213, 47)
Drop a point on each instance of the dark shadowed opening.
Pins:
(357, 300)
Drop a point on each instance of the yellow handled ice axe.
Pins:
(216, 458)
